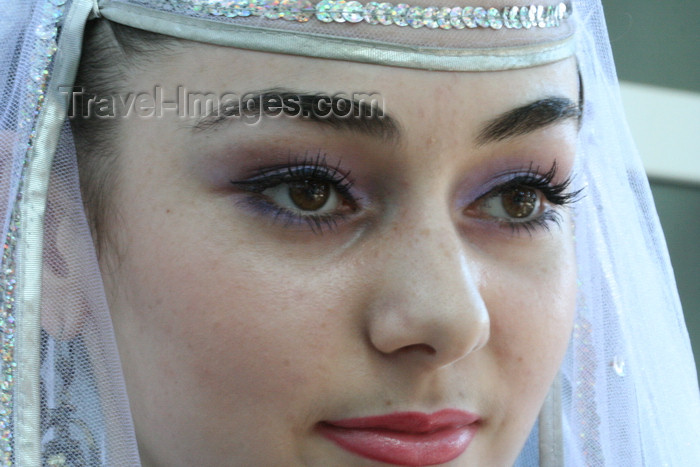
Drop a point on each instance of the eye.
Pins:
(513, 203)
(303, 191)
(305, 196)
(529, 201)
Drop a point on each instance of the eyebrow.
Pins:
(529, 118)
(366, 118)
(372, 120)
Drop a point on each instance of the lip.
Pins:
(405, 438)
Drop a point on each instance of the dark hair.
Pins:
(112, 55)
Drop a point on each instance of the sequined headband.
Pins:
(341, 11)
(503, 38)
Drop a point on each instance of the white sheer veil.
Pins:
(628, 387)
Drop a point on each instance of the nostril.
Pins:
(417, 348)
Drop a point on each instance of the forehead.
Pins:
(202, 68)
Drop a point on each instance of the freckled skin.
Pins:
(238, 334)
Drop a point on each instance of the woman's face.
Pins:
(359, 291)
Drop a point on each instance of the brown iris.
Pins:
(519, 202)
(309, 195)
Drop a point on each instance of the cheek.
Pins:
(213, 347)
(246, 335)
(532, 311)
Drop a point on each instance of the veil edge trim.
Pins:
(32, 209)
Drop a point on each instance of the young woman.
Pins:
(317, 243)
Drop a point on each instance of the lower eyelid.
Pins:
(316, 223)
(549, 217)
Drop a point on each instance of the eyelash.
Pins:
(555, 194)
(299, 169)
(316, 168)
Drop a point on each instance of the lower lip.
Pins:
(403, 448)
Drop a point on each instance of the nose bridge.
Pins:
(429, 302)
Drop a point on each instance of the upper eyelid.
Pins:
(295, 171)
(269, 177)
(274, 177)
(298, 162)
(554, 194)
(533, 176)
(500, 183)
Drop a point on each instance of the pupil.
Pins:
(309, 195)
(519, 202)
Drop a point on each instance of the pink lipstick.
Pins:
(405, 438)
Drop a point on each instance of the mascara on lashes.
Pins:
(303, 169)
(531, 178)
(316, 168)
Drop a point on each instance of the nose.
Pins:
(428, 304)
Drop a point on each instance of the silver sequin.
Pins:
(342, 11)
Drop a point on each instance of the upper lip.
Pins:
(410, 422)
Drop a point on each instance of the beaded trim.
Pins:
(342, 11)
(44, 48)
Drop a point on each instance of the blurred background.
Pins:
(656, 45)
